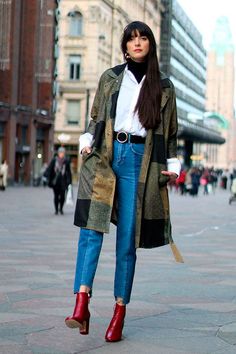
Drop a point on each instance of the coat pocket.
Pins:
(163, 180)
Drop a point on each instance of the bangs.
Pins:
(134, 29)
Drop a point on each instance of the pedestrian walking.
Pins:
(195, 178)
(204, 181)
(181, 181)
(129, 156)
(188, 181)
(224, 178)
(58, 175)
(233, 191)
(3, 175)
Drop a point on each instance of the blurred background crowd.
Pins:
(204, 180)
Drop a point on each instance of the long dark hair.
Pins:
(149, 101)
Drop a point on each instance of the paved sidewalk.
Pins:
(185, 308)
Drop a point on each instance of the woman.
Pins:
(130, 139)
(58, 175)
(3, 175)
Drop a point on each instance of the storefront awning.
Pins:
(198, 133)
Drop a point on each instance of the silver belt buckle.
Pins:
(122, 137)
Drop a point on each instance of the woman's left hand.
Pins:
(171, 175)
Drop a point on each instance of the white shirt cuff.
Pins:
(85, 140)
(174, 165)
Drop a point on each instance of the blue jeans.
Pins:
(127, 159)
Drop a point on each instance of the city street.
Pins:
(176, 308)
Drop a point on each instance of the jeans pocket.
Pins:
(137, 149)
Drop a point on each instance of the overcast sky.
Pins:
(204, 14)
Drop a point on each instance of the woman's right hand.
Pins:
(86, 150)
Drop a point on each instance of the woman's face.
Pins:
(61, 155)
(137, 47)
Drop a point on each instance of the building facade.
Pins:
(26, 86)
(89, 43)
(183, 58)
(220, 90)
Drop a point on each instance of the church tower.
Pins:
(220, 89)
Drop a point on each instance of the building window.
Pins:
(75, 67)
(73, 112)
(24, 135)
(76, 23)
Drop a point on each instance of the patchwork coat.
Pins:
(96, 203)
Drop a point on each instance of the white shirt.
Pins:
(126, 119)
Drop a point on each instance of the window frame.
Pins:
(69, 121)
(74, 67)
(75, 24)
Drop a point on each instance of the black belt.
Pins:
(123, 137)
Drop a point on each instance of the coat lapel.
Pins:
(165, 97)
(165, 84)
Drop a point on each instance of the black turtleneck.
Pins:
(138, 69)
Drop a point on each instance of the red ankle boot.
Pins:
(114, 331)
(81, 316)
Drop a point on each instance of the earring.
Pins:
(127, 56)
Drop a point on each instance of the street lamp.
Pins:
(63, 138)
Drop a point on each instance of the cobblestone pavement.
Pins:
(185, 308)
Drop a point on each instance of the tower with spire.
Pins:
(220, 89)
